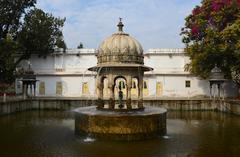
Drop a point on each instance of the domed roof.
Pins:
(121, 43)
(120, 47)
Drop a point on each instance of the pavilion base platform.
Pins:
(124, 126)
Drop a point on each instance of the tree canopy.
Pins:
(11, 12)
(212, 36)
(40, 33)
(7, 60)
(25, 30)
(80, 46)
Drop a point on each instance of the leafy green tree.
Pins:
(60, 43)
(11, 12)
(25, 30)
(7, 60)
(40, 33)
(80, 46)
(212, 36)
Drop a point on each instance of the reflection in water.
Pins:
(51, 134)
(166, 137)
(89, 139)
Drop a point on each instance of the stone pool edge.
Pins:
(227, 106)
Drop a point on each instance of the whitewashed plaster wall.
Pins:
(72, 85)
(40, 64)
(79, 63)
(174, 86)
(169, 69)
(71, 69)
(166, 60)
(72, 61)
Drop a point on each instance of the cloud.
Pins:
(155, 23)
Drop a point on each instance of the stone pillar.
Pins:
(100, 103)
(219, 90)
(28, 88)
(210, 90)
(140, 92)
(34, 89)
(24, 90)
(111, 85)
(99, 89)
(31, 89)
(128, 96)
(140, 88)
(111, 99)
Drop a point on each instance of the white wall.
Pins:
(174, 86)
(73, 61)
(169, 69)
(82, 62)
(40, 64)
(165, 62)
(72, 85)
(71, 69)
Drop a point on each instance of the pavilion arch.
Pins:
(120, 81)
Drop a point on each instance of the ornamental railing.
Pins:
(138, 59)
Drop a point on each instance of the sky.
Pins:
(154, 23)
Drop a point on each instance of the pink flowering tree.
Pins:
(212, 36)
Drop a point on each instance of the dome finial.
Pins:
(120, 25)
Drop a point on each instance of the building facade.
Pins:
(65, 74)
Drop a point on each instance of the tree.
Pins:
(7, 60)
(25, 30)
(60, 43)
(40, 33)
(80, 46)
(212, 36)
(11, 12)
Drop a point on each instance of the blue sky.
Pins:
(154, 23)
